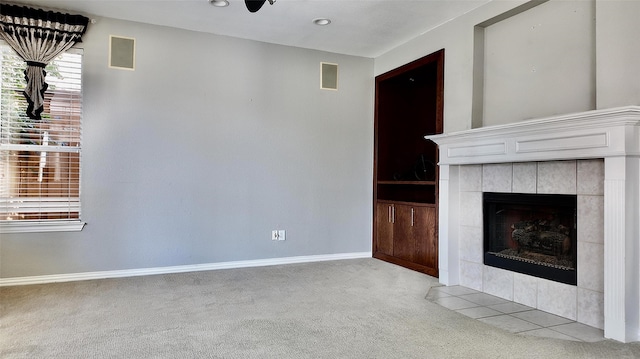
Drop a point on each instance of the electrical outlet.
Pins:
(278, 235)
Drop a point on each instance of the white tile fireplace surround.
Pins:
(594, 155)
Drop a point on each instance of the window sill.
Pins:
(35, 227)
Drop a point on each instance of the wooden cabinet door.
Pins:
(406, 234)
(414, 236)
(426, 242)
(384, 228)
(403, 241)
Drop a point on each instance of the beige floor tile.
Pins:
(580, 331)
(483, 299)
(457, 290)
(478, 312)
(548, 333)
(454, 303)
(510, 323)
(510, 307)
(541, 318)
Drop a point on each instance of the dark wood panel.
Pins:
(403, 242)
(384, 229)
(425, 239)
(410, 265)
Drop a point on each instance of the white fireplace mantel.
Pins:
(611, 134)
(592, 134)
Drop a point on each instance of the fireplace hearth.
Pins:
(533, 234)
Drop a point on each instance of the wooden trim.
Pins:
(409, 265)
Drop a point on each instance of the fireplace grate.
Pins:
(532, 234)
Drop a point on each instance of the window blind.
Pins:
(40, 160)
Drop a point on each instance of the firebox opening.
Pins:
(533, 234)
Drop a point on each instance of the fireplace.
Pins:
(532, 234)
(592, 155)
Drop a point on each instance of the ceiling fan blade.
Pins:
(254, 5)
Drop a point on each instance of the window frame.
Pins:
(51, 225)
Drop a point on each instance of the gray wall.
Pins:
(528, 58)
(456, 37)
(615, 59)
(211, 143)
(618, 53)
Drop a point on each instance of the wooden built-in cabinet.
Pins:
(407, 232)
(408, 107)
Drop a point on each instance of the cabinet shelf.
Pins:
(407, 203)
(413, 183)
(405, 191)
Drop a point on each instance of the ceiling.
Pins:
(365, 28)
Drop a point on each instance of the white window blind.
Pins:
(40, 160)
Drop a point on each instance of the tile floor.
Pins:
(514, 317)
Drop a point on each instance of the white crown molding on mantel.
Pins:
(71, 277)
(591, 134)
(612, 134)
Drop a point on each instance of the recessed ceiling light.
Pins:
(219, 3)
(321, 21)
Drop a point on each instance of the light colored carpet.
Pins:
(343, 309)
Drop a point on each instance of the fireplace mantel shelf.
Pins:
(592, 134)
(609, 134)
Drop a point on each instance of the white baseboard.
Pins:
(57, 278)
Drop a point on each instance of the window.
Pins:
(40, 160)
